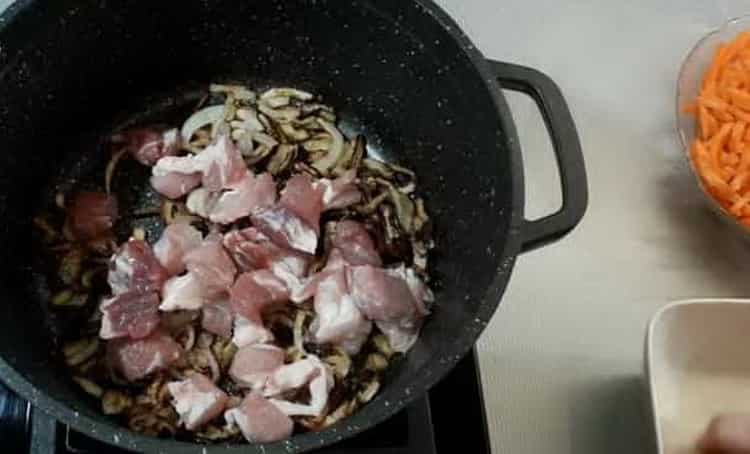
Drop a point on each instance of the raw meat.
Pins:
(353, 244)
(249, 194)
(319, 383)
(221, 164)
(212, 266)
(259, 420)
(91, 214)
(197, 400)
(148, 145)
(218, 318)
(176, 240)
(136, 358)
(380, 295)
(252, 365)
(249, 331)
(305, 200)
(218, 166)
(252, 250)
(292, 376)
(182, 292)
(394, 299)
(286, 229)
(174, 185)
(255, 290)
(135, 267)
(201, 201)
(338, 319)
(340, 192)
(134, 314)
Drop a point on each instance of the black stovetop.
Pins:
(427, 426)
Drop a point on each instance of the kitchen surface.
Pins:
(562, 360)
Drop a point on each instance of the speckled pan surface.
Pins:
(401, 71)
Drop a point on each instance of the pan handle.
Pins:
(567, 148)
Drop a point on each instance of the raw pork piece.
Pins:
(338, 319)
(253, 364)
(182, 292)
(249, 331)
(218, 318)
(175, 176)
(352, 244)
(302, 198)
(134, 314)
(393, 298)
(249, 194)
(136, 358)
(255, 290)
(135, 267)
(148, 145)
(340, 192)
(174, 185)
(401, 334)
(252, 250)
(259, 420)
(212, 266)
(310, 371)
(201, 201)
(91, 214)
(380, 295)
(176, 240)
(221, 164)
(197, 400)
(218, 166)
(286, 229)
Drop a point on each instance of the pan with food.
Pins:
(254, 226)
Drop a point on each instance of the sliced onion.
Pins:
(276, 102)
(213, 365)
(286, 92)
(250, 121)
(190, 339)
(111, 165)
(265, 139)
(299, 320)
(282, 115)
(204, 117)
(237, 91)
(329, 161)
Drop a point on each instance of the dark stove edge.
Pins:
(44, 433)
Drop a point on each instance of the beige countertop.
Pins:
(562, 358)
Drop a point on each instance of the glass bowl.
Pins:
(689, 84)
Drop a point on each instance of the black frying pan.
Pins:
(400, 71)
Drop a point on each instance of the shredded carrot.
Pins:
(707, 123)
(735, 141)
(740, 98)
(740, 114)
(739, 180)
(721, 149)
(709, 82)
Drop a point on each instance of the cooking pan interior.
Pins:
(70, 70)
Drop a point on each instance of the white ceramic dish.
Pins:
(698, 365)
